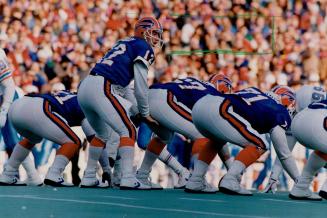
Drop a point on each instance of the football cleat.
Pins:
(182, 179)
(323, 194)
(55, 180)
(271, 186)
(231, 185)
(132, 183)
(90, 180)
(323, 190)
(298, 193)
(93, 183)
(33, 181)
(144, 178)
(10, 177)
(199, 185)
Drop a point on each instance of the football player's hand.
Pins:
(271, 186)
(136, 119)
(106, 177)
(150, 121)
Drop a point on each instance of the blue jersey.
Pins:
(66, 105)
(318, 105)
(188, 91)
(259, 109)
(117, 64)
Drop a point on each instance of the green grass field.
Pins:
(75, 202)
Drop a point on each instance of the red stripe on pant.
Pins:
(120, 110)
(60, 123)
(178, 109)
(239, 126)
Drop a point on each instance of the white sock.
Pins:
(59, 164)
(29, 167)
(18, 155)
(200, 168)
(170, 161)
(93, 158)
(148, 161)
(236, 169)
(194, 159)
(104, 161)
(117, 166)
(127, 158)
(310, 169)
(228, 163)
(223, 154)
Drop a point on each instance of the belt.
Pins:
(94, 73)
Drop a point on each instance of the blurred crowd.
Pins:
(53, 44)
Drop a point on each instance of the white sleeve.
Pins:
(6, 81)
(8, 92)
(284, 154)
(141, 88)
(129, 95)
(277, 167)
(141, 59)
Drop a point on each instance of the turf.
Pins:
(75, 202)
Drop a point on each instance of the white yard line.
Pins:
(129, 206)
(118, 197)
(199, 199)
(288, 201)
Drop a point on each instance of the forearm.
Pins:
(129, 95)
(283, 152)
(141, 88)
(9, 91)
(277, 167)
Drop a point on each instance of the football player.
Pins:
(171, 105)
(103, 95)
(306, 95)
(50, 116)
(243, 118)
(312, 135)
(10, 136)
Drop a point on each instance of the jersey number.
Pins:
(258, 96)
(62, 97)
(119, 49)
(192, 84)
(318, 94)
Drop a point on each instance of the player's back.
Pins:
(259, 109)
(64, 103)
(187, 91)
(117, 64)
(318, 105)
